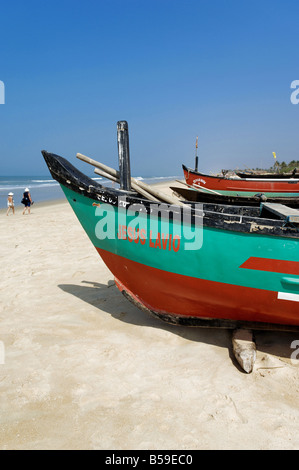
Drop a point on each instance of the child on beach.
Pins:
(10, 203)
(27, 201)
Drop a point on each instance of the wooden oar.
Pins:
(157, 194)
(134, 186)
(198, 188)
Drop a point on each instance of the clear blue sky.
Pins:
(173, 69)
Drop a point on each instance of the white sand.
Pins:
(85, 369)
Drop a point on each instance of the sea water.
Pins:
(44, 188)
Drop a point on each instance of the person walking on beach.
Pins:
(27, 201)
(10, 203)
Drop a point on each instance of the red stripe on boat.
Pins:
(171, 293)
(272, 265)
(228, 184)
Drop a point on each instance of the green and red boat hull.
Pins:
(220, 268)
(232, 277)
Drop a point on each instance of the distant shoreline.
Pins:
(48, 192)
(63, 200)
(42, 204)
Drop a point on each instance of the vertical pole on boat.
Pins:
(124, 155)
(196, 157)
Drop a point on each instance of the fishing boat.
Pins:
(192, 194)
(271, 175)
(247, 186)
(195, 264)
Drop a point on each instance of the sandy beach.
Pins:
(83, 368)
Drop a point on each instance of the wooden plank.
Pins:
(135, 187)
(157, 194)
(199, 188)
(283, 212)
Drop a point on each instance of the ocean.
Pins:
(43, 188)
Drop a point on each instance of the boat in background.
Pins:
(212, 265)
(234, 186)
(192, 194)
(260, 174)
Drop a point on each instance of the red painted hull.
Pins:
(170, 294)
(238, 185)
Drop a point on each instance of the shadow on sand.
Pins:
(107, 297)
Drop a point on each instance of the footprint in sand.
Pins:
(222, 408)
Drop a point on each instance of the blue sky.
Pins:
(174, 70)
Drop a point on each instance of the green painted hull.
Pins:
(219, 265)
(219, 260)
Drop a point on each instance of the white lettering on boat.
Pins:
(199, 180)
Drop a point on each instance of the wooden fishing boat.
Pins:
(252, 174)
(191, 264)
(197, 195)
(230, 186)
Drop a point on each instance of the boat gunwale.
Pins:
(268, 180)
(217, 217)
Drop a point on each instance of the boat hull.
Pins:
(189, 301)
(210, 283)
(195, 195)
(214, 269)
(247, 187)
